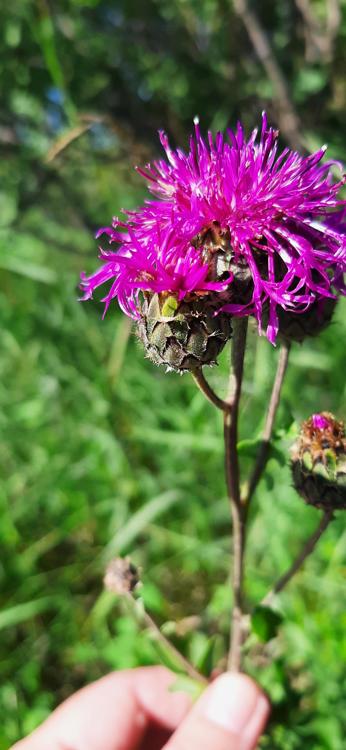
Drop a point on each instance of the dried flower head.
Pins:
(319, 462)
(121, 576)
(234, 220)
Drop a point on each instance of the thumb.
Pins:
(230, 715)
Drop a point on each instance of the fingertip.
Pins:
(237, 704)
(155, 693)
(230, 715)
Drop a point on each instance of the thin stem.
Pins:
(207, 390)
(236, 639)
(264, 449)
(233, 487)
(154, 628)
(288, 119)
(308, 548)
(233, 400)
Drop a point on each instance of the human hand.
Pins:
(135, 710)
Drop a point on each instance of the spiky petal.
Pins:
(157, 264)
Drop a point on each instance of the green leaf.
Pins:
(205, 661)
(165, 655)
(277, 454)
(265, 623)
(249, 447)
(138, 522)
(8, 208)
(188, 685)
(21, 612)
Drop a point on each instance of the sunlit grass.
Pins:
(102, 455)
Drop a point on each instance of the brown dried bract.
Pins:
(121, 576)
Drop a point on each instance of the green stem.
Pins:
(207, 390)
(307, 549)
(146, 619)
(264, 449)
(233, 487)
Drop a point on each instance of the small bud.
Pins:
(299, 326)
(185, 335)
(121, 576)
(319, 462)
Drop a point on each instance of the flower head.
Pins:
(232, 203)
(319, 462)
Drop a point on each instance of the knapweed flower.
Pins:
(234, 220)
(319, 462)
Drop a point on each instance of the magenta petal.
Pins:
(319, 422)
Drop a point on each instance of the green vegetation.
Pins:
(101, 452)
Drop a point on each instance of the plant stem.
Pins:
(233, 487)
(287, 116)
(150, 623)
(264, 449)
(207, 390)
(308, 548)
(234, 656)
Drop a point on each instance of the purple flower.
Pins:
(273, 215)
(319, 422)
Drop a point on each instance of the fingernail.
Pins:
(237, 705)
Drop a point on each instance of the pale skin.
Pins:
(137, 710)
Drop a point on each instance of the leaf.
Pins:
(19, 613)
(152, 598)
(188, 685)
(249, 447)
(8, 208)
(166, 656)
(29, 260)
(269, 481)
(277, 454)
(265, 623)
(205, 661)
(140, 520)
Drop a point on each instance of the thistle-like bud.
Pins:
(183, 336)
(319, 462)
(121, 576)
(298, 326)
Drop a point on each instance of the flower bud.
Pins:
(319, 462)
(298, 326)
(121, 576)
(183, 336)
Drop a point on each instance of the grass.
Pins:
(101, 452)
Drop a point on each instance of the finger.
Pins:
(230, 715)
(113, 713)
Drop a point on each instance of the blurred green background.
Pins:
(100, 451)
